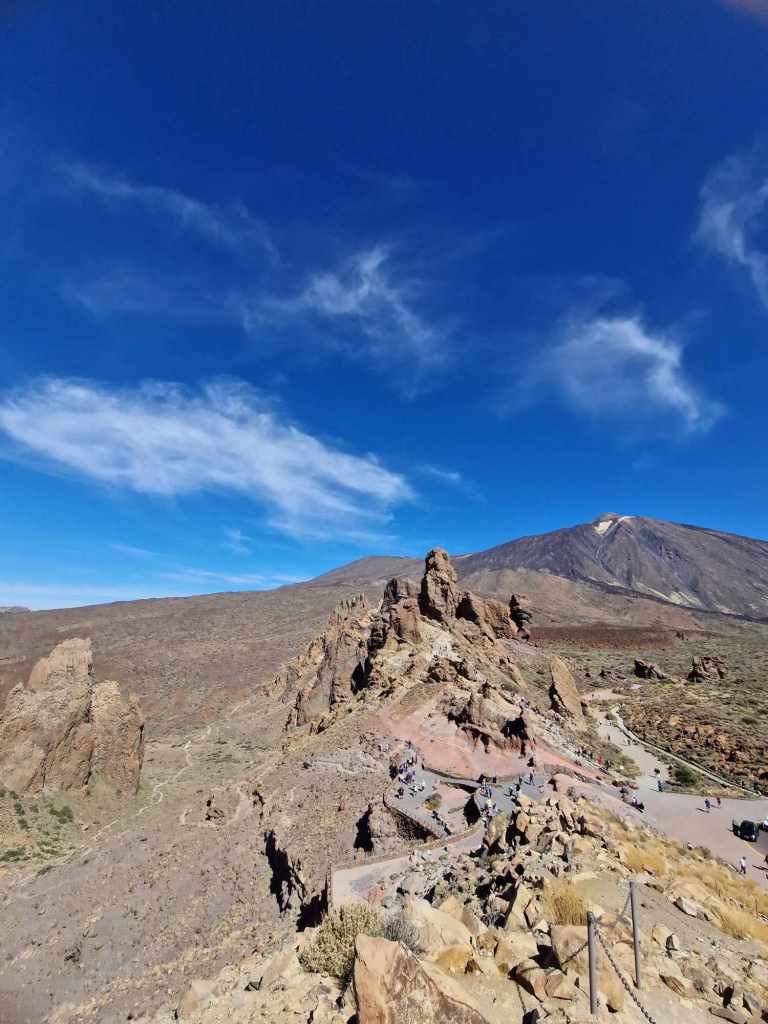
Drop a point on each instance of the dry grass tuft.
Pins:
(645, 860)
(742, 925)
(332, 949)
(563, 904)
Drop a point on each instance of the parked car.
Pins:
(746, 830)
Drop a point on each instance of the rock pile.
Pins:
(63, 728)
(496, 941)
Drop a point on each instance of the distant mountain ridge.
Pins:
(631, 556)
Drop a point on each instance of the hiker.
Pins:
(706, 804)
(743, 866)
(530, 778)
(719, 801)
(660, 785)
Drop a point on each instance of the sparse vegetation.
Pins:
(644, 860)
(434, 802)
(62, 814)
(397, 929)
(563, 904)
(332, 948)
(684, 776)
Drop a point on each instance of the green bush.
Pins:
(684, 776)
(332, 949)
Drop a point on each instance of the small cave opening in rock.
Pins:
(363, 838)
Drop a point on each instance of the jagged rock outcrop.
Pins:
(332, 668)
(648, 670)
(563, 694)
(708, 668)
(63, 727)
(438, 596)
(490, 718)
(491, 617)
(427, 634)
(520, 614)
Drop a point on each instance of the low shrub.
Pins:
(332, 949)
(684, 776)
(434, 802)
(563, 904)
(397, 928)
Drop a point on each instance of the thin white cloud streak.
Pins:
(364, 295)
(446, 476)
(161, 439)
(615, 368)
(40, 596)
(733, 212)
(133, 552)
(233, 227)
(257, 580)
(237, 541)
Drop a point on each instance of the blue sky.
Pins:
(285, 285)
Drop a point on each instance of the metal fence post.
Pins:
(592, 963)
(635, 929)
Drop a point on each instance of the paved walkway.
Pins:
(378, 879)
(684, 817)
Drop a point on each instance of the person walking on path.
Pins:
(743, 866)
(707, 804)
(719, 801)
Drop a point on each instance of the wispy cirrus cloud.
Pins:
(235, 540)
(133, 552)
(733, 217)
(161, 439)
(617, 369)
(446, 476)
(755, 8)
(232, 226)
(366, 297)
(260, 581)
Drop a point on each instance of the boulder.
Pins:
(707, 668)
(436, 929)
(513, 947)
(63, 727)
(438, 597)
(391, 987)
(563, 694)
(532, 978)
(648, 670)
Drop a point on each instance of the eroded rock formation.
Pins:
(563, 694)
(438, 597)
(63, 728)
(707, 668)
(420, 634)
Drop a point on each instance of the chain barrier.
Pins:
(630, 989)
